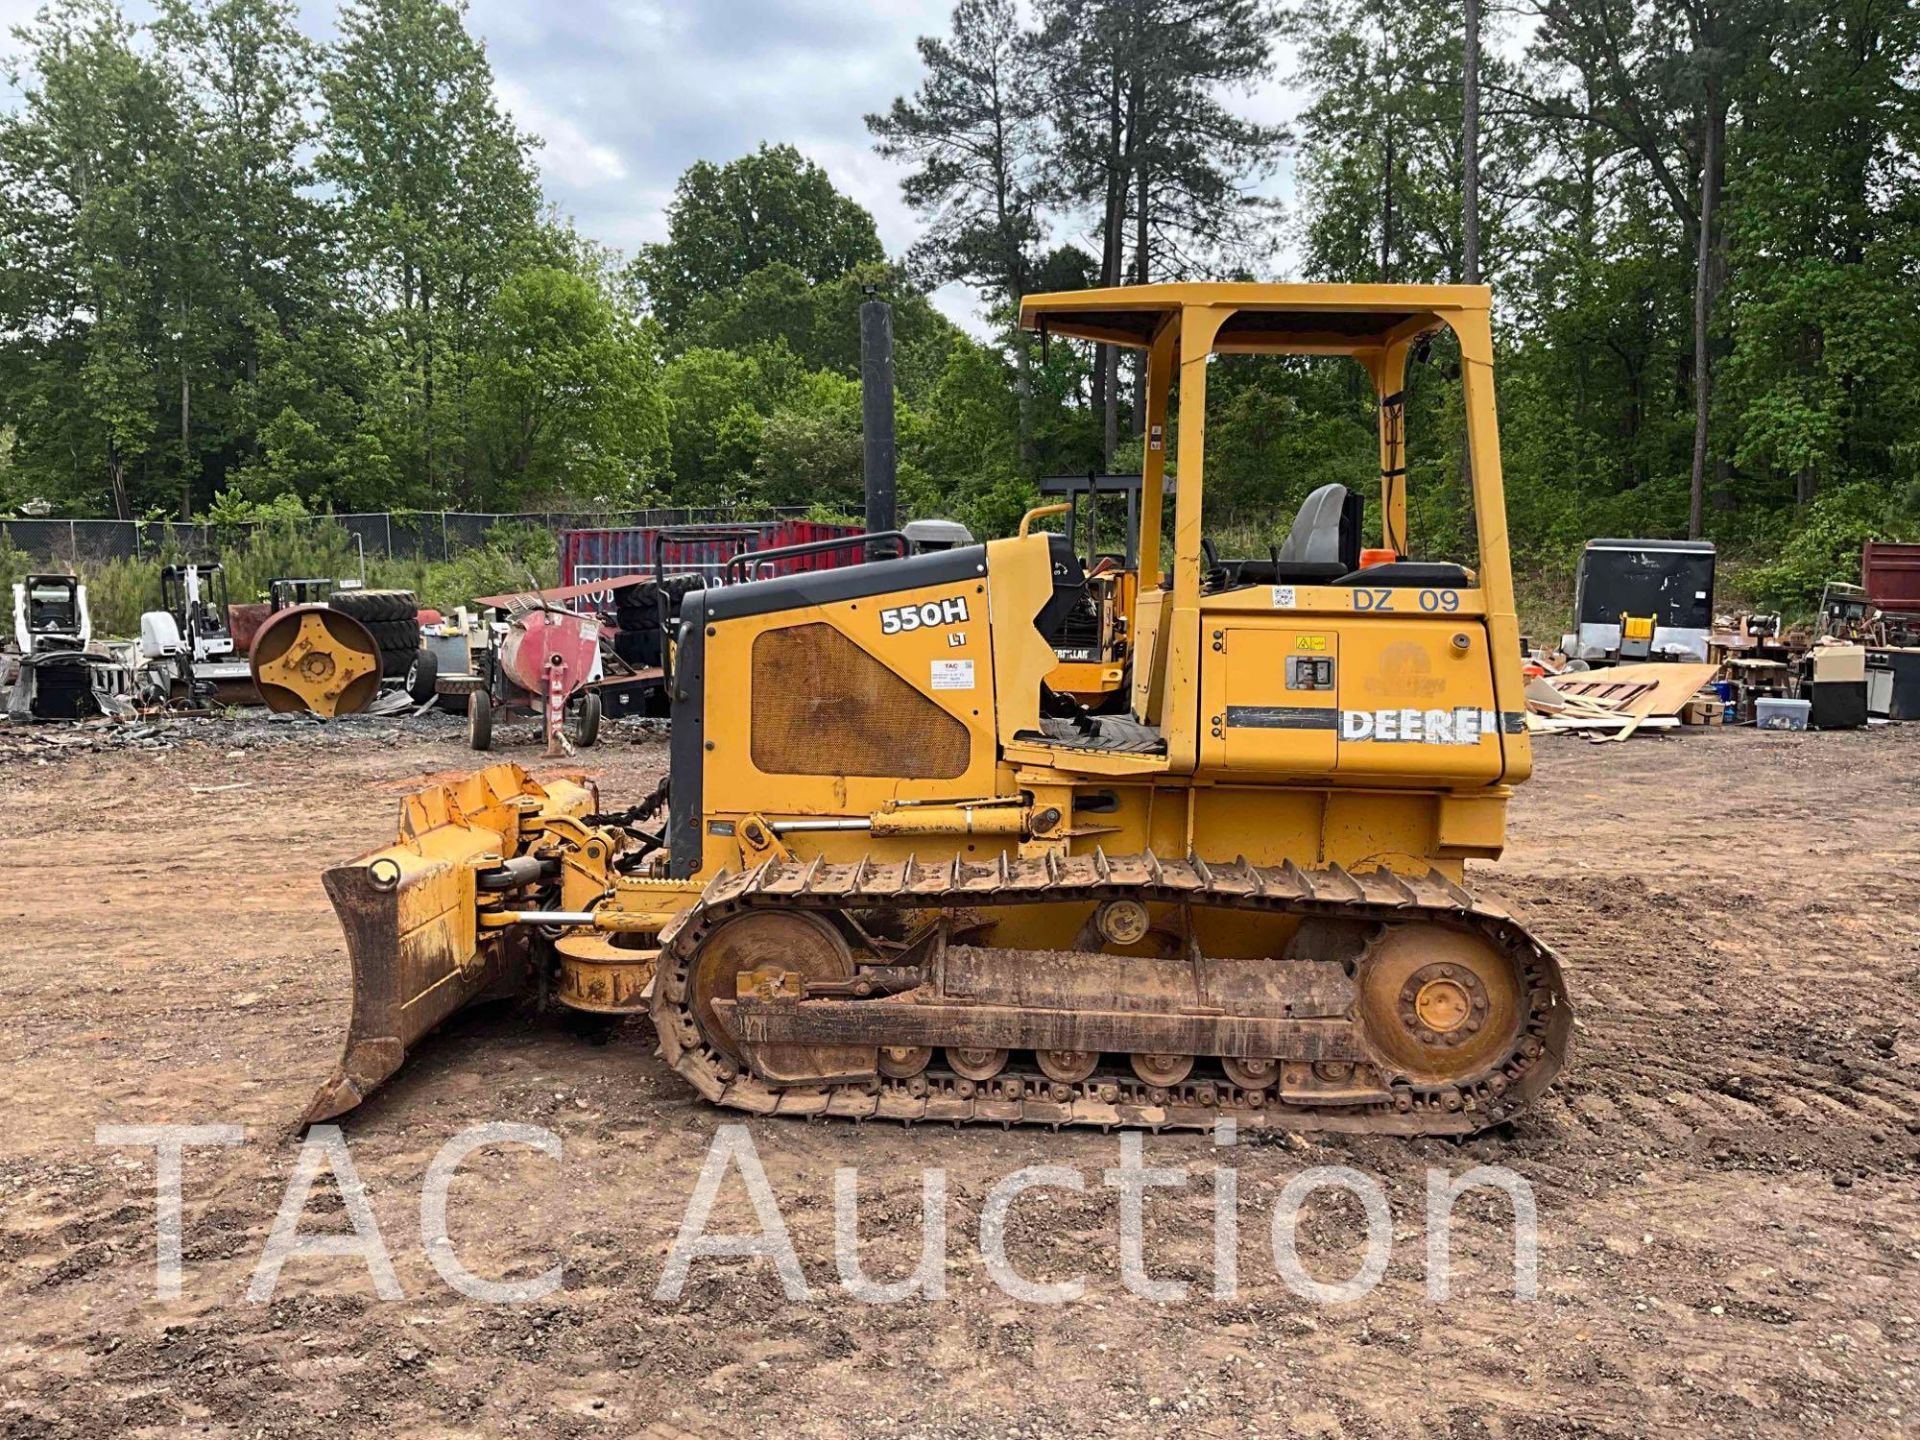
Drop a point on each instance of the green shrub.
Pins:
(516, 556)
(1822, 543)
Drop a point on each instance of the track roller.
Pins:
(903, 1062)
(1164, 1071)
(1067, 1067)
(974, 1063)
(1250, 1074)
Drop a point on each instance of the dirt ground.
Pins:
(1725, 1177)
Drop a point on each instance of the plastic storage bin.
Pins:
(1771, 713)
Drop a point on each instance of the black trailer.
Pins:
(1639, 600)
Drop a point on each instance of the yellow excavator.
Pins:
(891, 874)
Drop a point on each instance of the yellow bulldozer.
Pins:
(892, 874)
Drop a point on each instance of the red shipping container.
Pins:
(1890, 574)
(589, 556)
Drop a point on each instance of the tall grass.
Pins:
(119, 590)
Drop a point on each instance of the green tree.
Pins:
(440, 204)
(820, 323)
(566, 397)
(255, 248)
(1663, 77)
(960, 451)
(89, 231)
(727, 221)
(719, 401)
(810, 450)
(1381, 159)
(1823, 376)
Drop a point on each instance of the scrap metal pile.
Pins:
(314, 647)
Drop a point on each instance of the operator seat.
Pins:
(1322, 548)
(1069, 601)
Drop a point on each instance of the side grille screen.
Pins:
(823, 706)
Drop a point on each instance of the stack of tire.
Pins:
(639, 641)
(393, 618)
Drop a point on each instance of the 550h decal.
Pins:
(899, 619)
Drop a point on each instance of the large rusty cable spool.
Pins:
(310, 658)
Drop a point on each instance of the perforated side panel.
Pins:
(823, 706)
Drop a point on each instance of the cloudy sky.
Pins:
(626, 94)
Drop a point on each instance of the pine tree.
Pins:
(1144, 134)
(974, 133)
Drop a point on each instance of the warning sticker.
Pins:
(953, 674)
(1283, 597)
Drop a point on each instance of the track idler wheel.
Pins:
(783, 940)
(1441, 1005)
(315, 659)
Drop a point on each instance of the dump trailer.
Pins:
(891, 874)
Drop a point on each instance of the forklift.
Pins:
(1086, 619)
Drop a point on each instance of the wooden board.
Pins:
(1597, 724)
(1621, 700)
(1658, 689)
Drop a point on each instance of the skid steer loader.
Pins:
(891, 875)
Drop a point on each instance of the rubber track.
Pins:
(1105, 1100)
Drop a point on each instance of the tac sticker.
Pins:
(953, 674)
(1283, 597)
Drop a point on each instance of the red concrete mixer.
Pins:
(541, 661)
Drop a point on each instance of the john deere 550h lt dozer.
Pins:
(891, 879)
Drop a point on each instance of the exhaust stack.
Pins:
(876, 410)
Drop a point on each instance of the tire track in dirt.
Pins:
(1725, 1173)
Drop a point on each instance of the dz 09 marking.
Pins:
(1433, 602)
(898, 619)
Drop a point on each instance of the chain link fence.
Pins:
(417, 534)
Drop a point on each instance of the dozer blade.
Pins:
(417, 951)
(415, 962)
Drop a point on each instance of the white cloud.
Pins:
(569, 156)
(625, 94)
